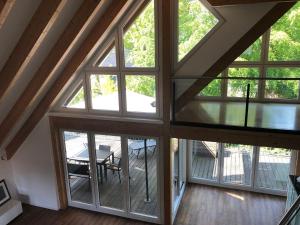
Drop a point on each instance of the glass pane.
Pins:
(78, 101)
(143, 176)
(282, 89)
(238, 88)
(105, 94)
(139, 40)
(237, 164)
(273, 168)
(252, 53)
(205, 160)
(213, 89)
(110, 171)
(140, 93)
(194, 22)
(110, 59)
(285, 38)
(78, 166)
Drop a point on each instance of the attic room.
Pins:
(181, 112)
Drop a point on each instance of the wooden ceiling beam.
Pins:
(238, 2)
(235, 51)
(42, 19)
(5, 8)
(99, 29)
(78, 22)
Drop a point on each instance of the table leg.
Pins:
(101, 175)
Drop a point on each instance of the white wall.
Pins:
(33, 169)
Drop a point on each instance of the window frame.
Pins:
(115, 38)
(263, 64)
(178, 63)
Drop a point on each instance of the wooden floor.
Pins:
(202, 205)
(71, 216)
(261, 115)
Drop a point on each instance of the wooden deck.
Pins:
(272, 170)
(112, 192)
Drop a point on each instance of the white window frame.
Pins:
(116, 38)
(95, 205)
(219, 181)
(263, 64)
(178, 63)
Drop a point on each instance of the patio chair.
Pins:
(79, 170)
(115, 167)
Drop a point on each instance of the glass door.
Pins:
(143, 176)
(111, 178)
(78, 168)
(113, 174)
(205, 160)
(237, 164)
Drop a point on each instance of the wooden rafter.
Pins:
(64, 42)
(237, 49)
(99, 29)
(5, 8)
(238, 2)
(41, 21)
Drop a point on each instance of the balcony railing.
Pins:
(287, 108)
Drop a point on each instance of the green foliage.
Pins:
(252, 53)
(194, 22)
(139, 40)
(238, 88)
(285, 37)
(283, 89)
(144, 85)
(103, 84)
(78, 98)
(213, 89)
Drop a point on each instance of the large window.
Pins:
(261, 169)
(122, 78)
(115, 174)
(195, 21)
(275, 55)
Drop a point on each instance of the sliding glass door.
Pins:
(78, 168)
(111, 178)
(114, 174)
(245, 167)
(142, 167)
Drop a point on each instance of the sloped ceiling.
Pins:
(12, 26)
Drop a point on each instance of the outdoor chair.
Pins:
(114, 167)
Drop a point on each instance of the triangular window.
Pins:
(77, 101)
(195, 21)
(109, 59)
(139, 39)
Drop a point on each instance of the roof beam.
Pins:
(42, 19)
(237, 2)
(78, 22)
(96, 33)
(5, 8)
(235, 51)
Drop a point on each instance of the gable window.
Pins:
(195, 21)
(274, 57)
(122, 78)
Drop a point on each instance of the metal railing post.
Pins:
(247, 105)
